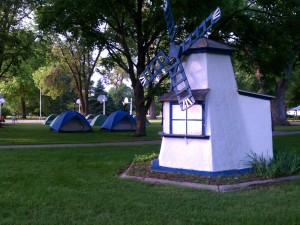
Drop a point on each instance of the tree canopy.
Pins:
(267, 39)
(15, 36)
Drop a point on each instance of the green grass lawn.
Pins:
(287, 128)
(35, 133)
(79, 185)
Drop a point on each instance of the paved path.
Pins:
(23, 121)
(276, 133)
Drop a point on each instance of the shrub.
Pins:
(145, 157)
(289, 163)
(282, 164)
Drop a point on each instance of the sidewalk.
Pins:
(24, 121)
(276, 133)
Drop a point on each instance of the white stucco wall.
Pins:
(191, 154)
(237, 125)
(224, 115)
(166, 117)
(257, 118)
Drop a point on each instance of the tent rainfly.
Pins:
(70, 121)
(90, 117)
(294, 111)
(119, 121)
(98, 120)
(49, 119)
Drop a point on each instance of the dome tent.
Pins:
(70, 121)
(49, 119)
(119, 121)
(98, 120)
(90, 117)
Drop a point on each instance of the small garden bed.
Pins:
(143, 170)
(265, 172)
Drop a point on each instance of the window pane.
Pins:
(178, 127)
(195, 112)
(194, 128)
(177, 113)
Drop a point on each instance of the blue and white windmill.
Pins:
(172, 61)
(210, 127)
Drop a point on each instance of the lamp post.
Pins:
(102, 99)
(2, 100)
(40, 101)
(126, 101)
(79, 103)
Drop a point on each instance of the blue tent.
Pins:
(70, 121)
(119, 121)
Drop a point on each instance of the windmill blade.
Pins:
(154, 67)
(201, 30)
(181, 85)
(169, 20)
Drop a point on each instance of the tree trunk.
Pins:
(23, 108)
(152, 110)
(141, 111)
(85, 105)
(278, 104)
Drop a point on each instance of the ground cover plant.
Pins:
(283, 163)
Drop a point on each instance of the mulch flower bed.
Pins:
(143, 170)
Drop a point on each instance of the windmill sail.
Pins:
(172, 61)
(154, 68)
(169, 20)
(181, 85)
(201, 29)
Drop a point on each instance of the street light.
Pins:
(79, 103)
(127, 102)
(40, 101)
(102, 98)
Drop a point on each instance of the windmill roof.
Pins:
(199, 95)
(205, 45)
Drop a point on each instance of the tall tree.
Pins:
(267, 38)
(53, 80)
(118, 94)
(80, 61)
(20, 91)
(95, 105)
(15, 38)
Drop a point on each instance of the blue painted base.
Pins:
(155, 166)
